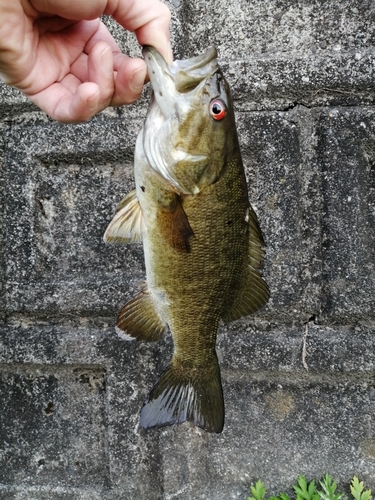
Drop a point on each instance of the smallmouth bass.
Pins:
(203, 247)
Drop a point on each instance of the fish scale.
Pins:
(202, 243)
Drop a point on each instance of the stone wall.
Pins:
(298, 377)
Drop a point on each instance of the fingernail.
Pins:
(138, 79)
(106, 60)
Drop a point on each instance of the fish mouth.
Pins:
(177, 93)
(185, 76)
(187, 73)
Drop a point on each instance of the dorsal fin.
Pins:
(127, 225)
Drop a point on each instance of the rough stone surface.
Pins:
(299, 376)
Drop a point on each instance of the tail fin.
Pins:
(186, 394)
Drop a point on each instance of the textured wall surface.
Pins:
(299, 376)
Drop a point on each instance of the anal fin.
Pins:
(139, 320)
(127, 225)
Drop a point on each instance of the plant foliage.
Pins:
(310, 491)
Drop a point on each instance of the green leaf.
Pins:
(313, 492)
(305, 491)
(356, 489)
(309, 491)
(258, 491)
(301, 488)
(329, 487)
(282, 496)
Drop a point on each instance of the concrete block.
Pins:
(309, 80)
(2, 228)
(297, 414)
(278, 152)
(298, 400)
(346, 153)
(63, 183)
(333, 418)
(69, 420)
(311, 181)
(53, 424)
(13, 102)
(242, 29)
(278, 54)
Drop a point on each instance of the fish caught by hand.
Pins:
(202, 243)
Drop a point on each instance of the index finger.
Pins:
(149, 19)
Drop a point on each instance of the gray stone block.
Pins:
(63, 185)
(284, 189)
(53, 424)
(73, 393)
(2, 225)
(290, 424)
(13, 102)
(244, 29)
(311, 179)
(278, 54)
(69, 419)
(346, 153)
(66, 182)
(310, 80)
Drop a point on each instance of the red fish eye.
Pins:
(218, 109)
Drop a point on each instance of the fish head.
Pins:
(189, 127)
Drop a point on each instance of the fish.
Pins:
(203, 247)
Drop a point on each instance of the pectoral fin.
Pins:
(174, 224)
(139, 320)
(252, 291)
(127, 226)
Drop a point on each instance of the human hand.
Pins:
(64, 59)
